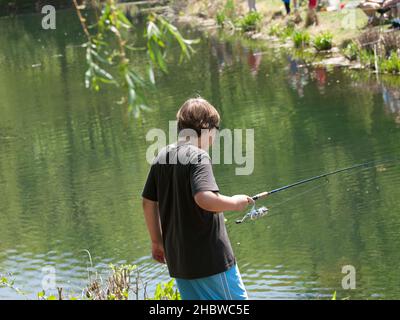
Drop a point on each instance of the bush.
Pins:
(323, 41)
(250, 21)
(301, 39)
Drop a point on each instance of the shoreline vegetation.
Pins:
(343, 38)
(123, 282)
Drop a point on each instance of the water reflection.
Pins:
(391, 97)
(299, 75)
(223, 52)
(226, 55)
(72, 165)
(388, 88)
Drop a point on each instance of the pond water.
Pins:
(72, 165)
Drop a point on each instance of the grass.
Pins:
(390, 64)
(301, 38)
(123, 282)
(227, 13)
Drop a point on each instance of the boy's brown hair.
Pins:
(197, 114)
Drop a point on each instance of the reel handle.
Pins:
(260, 195)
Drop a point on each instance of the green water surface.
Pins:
(73, 164)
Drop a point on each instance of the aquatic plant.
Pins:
(250, 21)
(221, 18)
(226, 14)
(390, 64)
(366, 57)
(323, 41)
(301, 39)
(351, 50)
(287, 31)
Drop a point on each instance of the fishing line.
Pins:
(262, 211)
(299, 194)
(279, 204)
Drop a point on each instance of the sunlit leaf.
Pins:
(151, 75)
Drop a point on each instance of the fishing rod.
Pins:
(262, 211)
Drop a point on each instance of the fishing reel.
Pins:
(255, 213)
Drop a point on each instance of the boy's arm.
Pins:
(152, 217)
(215, 202)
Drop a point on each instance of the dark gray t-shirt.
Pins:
(196, 243)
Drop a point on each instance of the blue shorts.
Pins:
(226, 285)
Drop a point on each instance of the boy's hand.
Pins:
(157, 251)
(241, 201)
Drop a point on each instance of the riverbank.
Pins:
(346, 38)
(346, 23)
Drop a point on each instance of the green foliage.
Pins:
(228, 13)
(117, 287)
(42, 296)
(334, 296)
(6, 282)
(229, 9)
(390, 64)
(351, 51)
(250, 21)
(108, 47)
(287, 32)
(275, 30)
(301, 39)
(366, 57)
(167, 291)
(323, 41)
(221, 18)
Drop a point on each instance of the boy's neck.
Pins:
(197, 142)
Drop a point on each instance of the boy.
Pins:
(183, 211)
